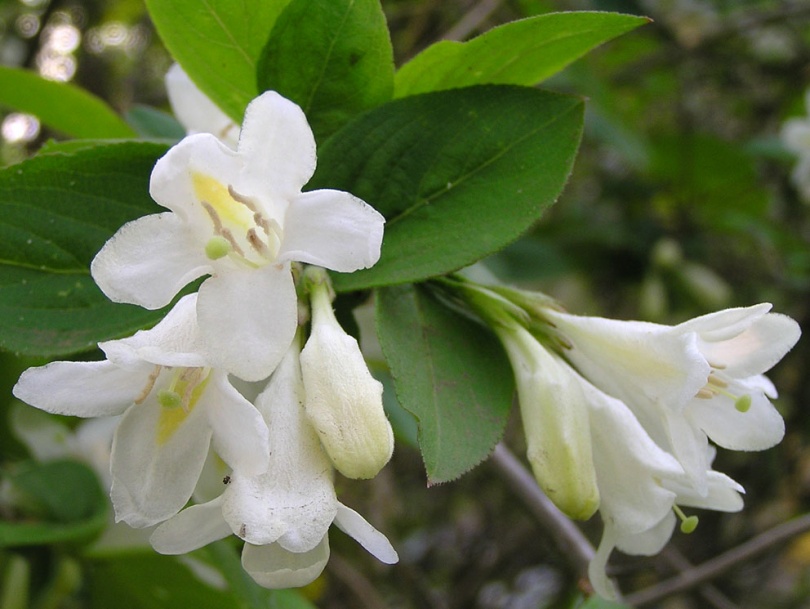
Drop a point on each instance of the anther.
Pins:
(717, 382)
(705, 394)
(150, 383)
(257, 244)
(242, 199)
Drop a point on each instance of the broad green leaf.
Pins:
(523, 52)
(332, 57)
(218, 43)
(458, 174)
(152, 581)
(56, 211)
(62, 107)
(450, 373)
(60, 501)
(152, 123)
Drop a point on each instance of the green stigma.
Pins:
(688, 523)
(169, 399)
(217, 247)
(743, 403)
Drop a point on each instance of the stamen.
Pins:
(150, 383)
(220, 230)
(257, 244)
(212, 213)
(705, 394)
(244, 200)
(717, 382)
(192, 378)
(688, 523)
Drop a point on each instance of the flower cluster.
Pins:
(619, 415)
(223, 376)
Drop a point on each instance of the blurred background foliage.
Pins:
(680, 203)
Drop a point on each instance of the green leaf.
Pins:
(450, 373)
(523, 52)
(458, 174)
(62, 107)
(62, 501)
(56, 211)
(152, 123)
(218, 43)
(152, 581)
(331, 57)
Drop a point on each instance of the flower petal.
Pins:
(148, 261)
(332, 229)
(294, 502)
(354, 525)
(193, 528)
(81, 389)
(760, 427)
(278, 147)
(649, 542)
(240, 433)
(597, 568)
(174, 341)
(195, 111)
(723, 494)
(634, 361)
(272, 566)
(172, 181)
(756, 349)
(248, 318)
(157, 456)
(628, 472)
(690, 446)
(725, 324)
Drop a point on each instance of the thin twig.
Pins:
(724, 562)
(709, 592)
(472, 20)
(565, 533)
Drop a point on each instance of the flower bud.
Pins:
(554, 410)
(343, 401)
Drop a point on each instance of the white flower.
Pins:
(173, 403)
(343, 401)
(195, 111)
(588, 450)
(555, 419)
(796, 136)
(284, 513)
(701, 378)
(240, 217)
(641, 485)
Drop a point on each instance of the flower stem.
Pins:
(573, 543)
